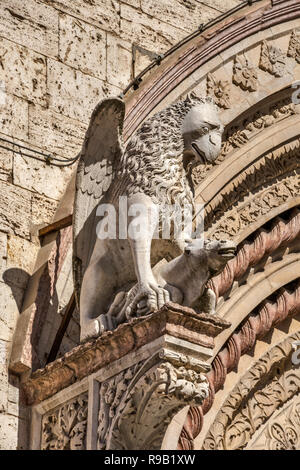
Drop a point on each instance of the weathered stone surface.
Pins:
(10, 302)
(8, 432)
(55, 133)
(39, 177)
(23, 71)
(74, 94)
(82, 46)
(220, 5)
(32, 24)
(14, 116)
(133, 3)
(43, 210)
(21, 256)
(6, 162)
(102, 13)
(119, 59)
(182, 14)
(151, 33)
(17, 202)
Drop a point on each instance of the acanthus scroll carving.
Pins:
(137, 405)
(65, 427)
(283, 431)
(257, 196)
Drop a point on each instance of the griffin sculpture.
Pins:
(154, 168)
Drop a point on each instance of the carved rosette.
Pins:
(272, 60)
(137, 405)
(294, 46)
(65, 427)
(244, 74)
(219, 90)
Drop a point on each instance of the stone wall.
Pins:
(57, 60)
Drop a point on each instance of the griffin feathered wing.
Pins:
(101, 151)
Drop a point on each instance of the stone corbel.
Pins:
(136, 379)
(148, 395)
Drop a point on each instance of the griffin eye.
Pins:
(205, 130)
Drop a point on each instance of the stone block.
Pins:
(148, 32)
(15, 209)
(6, 163)
(21, 256)
(133, 3)
(39, 177)
(43, 210)
(54, 133)
(8, 432)
(14, 116)
(10, 305)
(74, 94)
(182, 14)
(32, 24)
(82, 46)
(119, 61)
(142, 58)
(3, 401)
(102, 13)
(23, 72)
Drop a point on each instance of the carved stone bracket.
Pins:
(133, 380)
(137, 405)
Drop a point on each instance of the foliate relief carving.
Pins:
(257, 206)
(137, 405)
(266, 387)
(65, 427)
(279, 168)
(282, 431)
(294, 46)
(244, 74)
(239, 135)
(219, 90)
(272, 60)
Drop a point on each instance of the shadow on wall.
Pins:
(17, 279)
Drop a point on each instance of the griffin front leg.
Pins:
(142, 223)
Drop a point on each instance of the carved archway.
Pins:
(249, 415)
